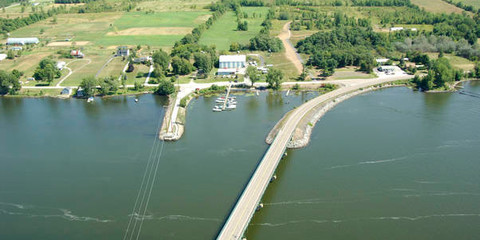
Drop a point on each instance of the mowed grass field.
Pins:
(155, 29)
(224, 31)
(437, 6)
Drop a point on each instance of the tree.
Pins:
(165, 88)
(108, 86)
(161, 58)
(47, 71)
(9, 83)
(253, 74)
(10, 54)
(274, 78)
(181, 66)
(477, 69)
(88, 85)
(158, 71)
(130, 67)
(203, 61)
(234, 47)
(242, 26)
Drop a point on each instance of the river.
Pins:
(392, 164)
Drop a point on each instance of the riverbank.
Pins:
(303, 131)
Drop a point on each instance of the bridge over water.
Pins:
(245, 208)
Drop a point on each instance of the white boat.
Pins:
(217, 109)
(220, 101)
(231, 107)
(90, 99)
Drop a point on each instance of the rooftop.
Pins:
(233, 58)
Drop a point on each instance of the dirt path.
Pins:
(290, 51)
(70, 71)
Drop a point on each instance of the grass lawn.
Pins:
(350, 73)
(98, 58)
(437, 6)
(224, 30)
(132, 76)
(114, 68)
(280, 61)
(39, 92)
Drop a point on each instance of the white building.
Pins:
(393, 29)
(61, 65)
(232, 61)
(382, 60)
(3, 56)
(231, 64)
(123, 51)
(22, 41)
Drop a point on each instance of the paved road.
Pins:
(247, 204)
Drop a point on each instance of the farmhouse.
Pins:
(123, 51)
(77, 53)
(22, 41)
(231, 64)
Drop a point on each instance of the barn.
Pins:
(22, 41)
(232, 61)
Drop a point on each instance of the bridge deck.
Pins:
(244, 210)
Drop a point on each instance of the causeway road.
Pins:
(246, 206)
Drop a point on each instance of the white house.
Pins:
(61, 65)
(123, 51)
(3, 56)
(231, 64)
(22, 41)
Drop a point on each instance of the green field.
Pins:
(224, 31)
(162, 19)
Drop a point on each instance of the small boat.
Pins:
(217, 109)
(90, 99)
(136, 99)
(230, 107)
(220, 101)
